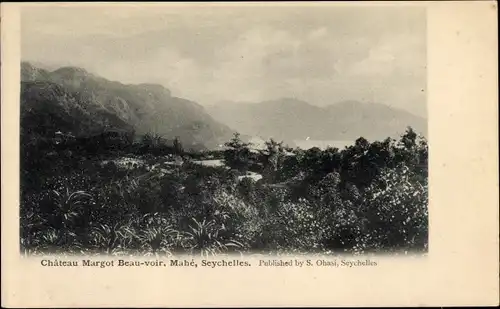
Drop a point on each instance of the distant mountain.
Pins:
(291, 119)
(73, 99)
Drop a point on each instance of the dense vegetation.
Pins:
(118, 195)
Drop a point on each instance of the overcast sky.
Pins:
(318, 54)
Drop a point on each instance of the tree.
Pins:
(396, 212)
(152, 139)
(236, 142)
(153, 142)
(407, 150)
(326, 191)
(274, 155)
(178, 149)
(129, 138)
(409, 139)
(237, 154)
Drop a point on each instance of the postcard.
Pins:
(249, 154)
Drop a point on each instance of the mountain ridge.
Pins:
(144, 107)
(295, 119)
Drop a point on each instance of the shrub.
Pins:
(396, 213)
(367, 197)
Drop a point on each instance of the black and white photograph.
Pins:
(223, 130)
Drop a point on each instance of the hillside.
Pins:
(290, 119)
(83, 102)
(48, 107)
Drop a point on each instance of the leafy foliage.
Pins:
(369, 197)
(237, 156)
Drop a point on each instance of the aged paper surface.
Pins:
(460, 267)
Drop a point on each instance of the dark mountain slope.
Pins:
(144, 107)
(48, 107)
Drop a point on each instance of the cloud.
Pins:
(318, 33)
(321, 56)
